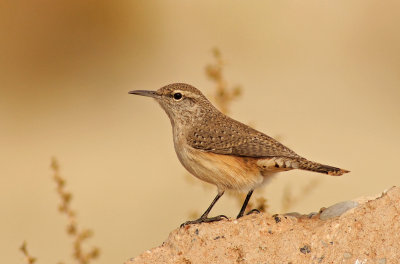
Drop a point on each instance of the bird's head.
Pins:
(182, 102)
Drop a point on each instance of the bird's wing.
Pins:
(230, 137)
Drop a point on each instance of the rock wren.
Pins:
(222, 151)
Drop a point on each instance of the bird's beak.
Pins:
(145, 93)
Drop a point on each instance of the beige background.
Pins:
(323, 75)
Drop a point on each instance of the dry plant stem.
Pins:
(28, 258)
(224, 96)
(79, 235)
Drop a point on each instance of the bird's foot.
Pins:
(204, 220)
(250, 212)
(253, 211)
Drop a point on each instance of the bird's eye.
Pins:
(177, 96)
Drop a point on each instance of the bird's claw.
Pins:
(253, 211)
(250, 212)
(204, 220)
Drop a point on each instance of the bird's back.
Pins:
(220, 134)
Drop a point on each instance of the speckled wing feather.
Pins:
(230, 137)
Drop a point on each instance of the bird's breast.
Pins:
(224, 171)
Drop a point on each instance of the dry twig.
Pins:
(223, 95)
(79, 235)
(28, 258)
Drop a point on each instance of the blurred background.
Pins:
(323, 76)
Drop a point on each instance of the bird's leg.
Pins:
(203, 218)
(246, 201)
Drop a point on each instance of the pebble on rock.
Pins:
(337, 210)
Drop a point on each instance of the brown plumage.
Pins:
(222, 151)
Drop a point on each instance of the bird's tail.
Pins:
(321, 168)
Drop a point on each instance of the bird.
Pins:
(222, 151)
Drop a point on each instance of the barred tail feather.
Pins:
(321, 168)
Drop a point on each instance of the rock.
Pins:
(366, 234)
(337, 209)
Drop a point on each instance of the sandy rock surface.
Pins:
(351, 232)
